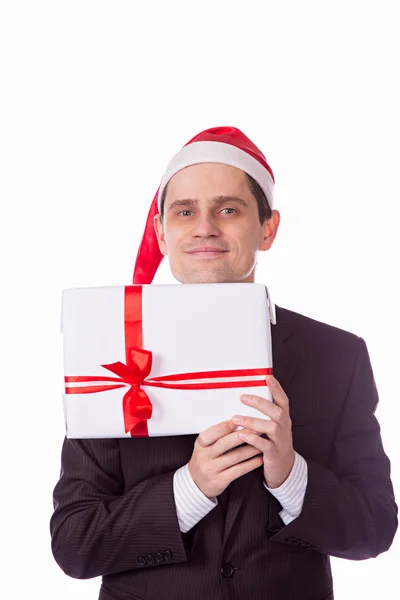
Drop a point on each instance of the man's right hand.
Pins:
(214, 465)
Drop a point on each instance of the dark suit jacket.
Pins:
(114, 505)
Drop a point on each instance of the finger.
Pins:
(259, 443)
(266, 407)
(278, 393)
(212, 434)
(242, 468)
(236, 456)
(258, 426)
(240, 428)
(275, 410)
(217, 448)
(225, 444)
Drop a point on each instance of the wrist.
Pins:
(275, 484)
(280, 478)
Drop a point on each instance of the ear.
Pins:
(159, 229)
(270, 230)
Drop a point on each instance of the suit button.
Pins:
(227, 570)
(291, 540)
(141, 561)
(167, 555)
(150, 559)
(304, 545)
(159, 557)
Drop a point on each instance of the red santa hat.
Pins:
(226, 145)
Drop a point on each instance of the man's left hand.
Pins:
(277, 450)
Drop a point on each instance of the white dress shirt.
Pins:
(192, 505)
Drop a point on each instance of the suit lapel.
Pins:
(283, 354)
(283, 348)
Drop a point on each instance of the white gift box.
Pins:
(206, 334)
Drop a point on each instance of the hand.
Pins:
(214, 464)
(277, 449)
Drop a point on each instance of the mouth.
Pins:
(207, 252)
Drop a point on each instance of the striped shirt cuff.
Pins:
(291, 493)
(191, 504)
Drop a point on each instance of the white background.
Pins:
(95, 98)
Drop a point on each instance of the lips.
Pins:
(206, 252)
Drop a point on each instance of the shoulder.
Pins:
(318, 333)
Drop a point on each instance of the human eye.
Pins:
(184, 212)
(233, 210)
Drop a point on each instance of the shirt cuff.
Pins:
(191, 504)
(291, 493)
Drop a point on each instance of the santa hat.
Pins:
(226, 145)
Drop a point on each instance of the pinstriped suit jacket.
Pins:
(114, 506)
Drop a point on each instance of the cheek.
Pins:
(247, 241)
(173, 239)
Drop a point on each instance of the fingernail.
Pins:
(244, 436)
(271, 380)
(245, 398)
(238, 419)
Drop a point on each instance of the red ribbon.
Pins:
(137, 408)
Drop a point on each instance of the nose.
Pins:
(205, 227)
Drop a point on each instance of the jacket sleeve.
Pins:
(349, 509)
(99, 528)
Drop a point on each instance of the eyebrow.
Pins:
(217, 200)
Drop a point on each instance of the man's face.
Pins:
(211, 229)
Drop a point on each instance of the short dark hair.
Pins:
(264, 209)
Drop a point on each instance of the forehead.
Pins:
(207, 179)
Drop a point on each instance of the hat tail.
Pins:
(149, 255)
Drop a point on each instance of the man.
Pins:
(234, 513)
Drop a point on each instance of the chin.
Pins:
(208, 276)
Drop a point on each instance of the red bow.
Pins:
(136, 403)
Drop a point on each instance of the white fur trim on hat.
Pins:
(218, 152)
